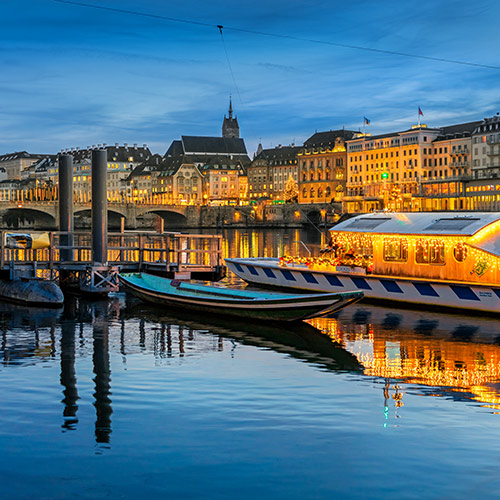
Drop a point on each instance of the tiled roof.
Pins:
(455, 131)
(376, 137)
(116, 153)
(175, 149)
(152, 164)
(21, 154)
(328, 138)
(213, 145)
(280, 153)
(170, 165)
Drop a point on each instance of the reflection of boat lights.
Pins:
(466, 368)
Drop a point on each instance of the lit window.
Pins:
(429, 252)
(395, 250)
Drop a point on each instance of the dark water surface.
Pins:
(117, 399)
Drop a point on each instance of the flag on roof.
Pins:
(420, 112)
(366, 121)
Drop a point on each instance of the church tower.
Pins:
(230, 127)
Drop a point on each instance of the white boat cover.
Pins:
(426, 223)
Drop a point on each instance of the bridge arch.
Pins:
(27, 218)
(314, 217)
(172, 218)
(83, 218)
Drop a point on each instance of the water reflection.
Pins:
(455, 355)
(102, 370)
(299, 340)
(437, 354)
(68, 373)
(272, 242)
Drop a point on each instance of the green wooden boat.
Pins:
(255, 305)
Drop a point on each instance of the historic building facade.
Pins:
(270, 171)
(15, 163)
(447, 169)
(122, 159)
(322, 163)
(486, 149)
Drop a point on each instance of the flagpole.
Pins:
(418, 114)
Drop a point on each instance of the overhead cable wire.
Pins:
(278, 35)
(229, 63)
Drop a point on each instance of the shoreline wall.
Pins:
(189, 217)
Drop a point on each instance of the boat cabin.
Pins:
(432, 245)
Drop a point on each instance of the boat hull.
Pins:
(31, 292)
(275, 307)
(458, 295)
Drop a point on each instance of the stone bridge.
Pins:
(45, 215)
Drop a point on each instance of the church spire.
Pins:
(230, 127)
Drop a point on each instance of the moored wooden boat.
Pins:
(256, 305)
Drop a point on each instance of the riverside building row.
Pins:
(454, 167)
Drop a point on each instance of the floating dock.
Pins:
(68, 257)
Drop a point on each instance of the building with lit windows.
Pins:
(420, 169)
(179, 182)
(121, 161)
(15, 163)
(385, 171)
(270, 171)
(486, 149)
(219, 162)
(447, 169)
(322, 163)
(141, 182)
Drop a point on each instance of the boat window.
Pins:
(429, 252)
(355, 244)
(395, 249)
(460, 252)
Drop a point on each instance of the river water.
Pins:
(118, 399)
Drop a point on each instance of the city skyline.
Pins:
(76, 76)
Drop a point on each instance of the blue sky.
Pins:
(74, 76)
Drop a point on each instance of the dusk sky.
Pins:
(74, 76)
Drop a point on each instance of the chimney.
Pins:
(135, 146)
(116, 144)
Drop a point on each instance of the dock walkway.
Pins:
(70, 254)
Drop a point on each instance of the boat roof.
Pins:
(425, 223)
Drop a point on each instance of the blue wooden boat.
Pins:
(257, 305)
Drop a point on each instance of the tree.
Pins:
(291, 190)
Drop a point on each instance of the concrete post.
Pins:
(66, 205)
(99, 206)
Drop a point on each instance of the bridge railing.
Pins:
(129, 249)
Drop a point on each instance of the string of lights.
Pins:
(278, 35)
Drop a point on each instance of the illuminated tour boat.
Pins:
(428, 258)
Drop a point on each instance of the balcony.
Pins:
(488, 173)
